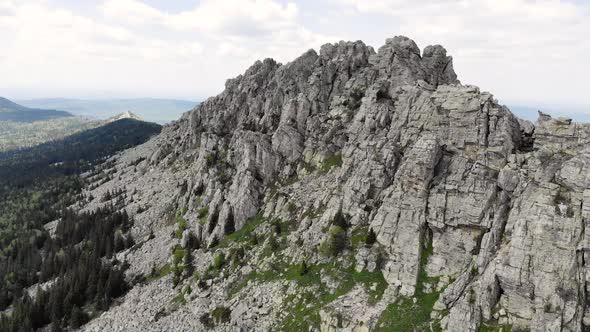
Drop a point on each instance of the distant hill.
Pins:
(18, 135)
(125, 115)
(150, 109)
(10, 111)
(77, 151)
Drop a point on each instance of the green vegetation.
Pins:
(10, 111)
(371, 238)
(181, 226)
(81, 261)
(303, 268)
(340, 220)
(405, 315)
(313, 213)
(335, 243)
(178, 254)
(244, 234)
(203, 213)
(337, 239)
(330, 162)
(180, 298)
(218, 261)
(221, 315)
(303, 311)
(484, 327)
(18, 135)
(37, 185)
(157, 273)
(363, 236)
(292, 207)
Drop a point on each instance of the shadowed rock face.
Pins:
(392, 139)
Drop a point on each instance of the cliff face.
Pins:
(479, 217)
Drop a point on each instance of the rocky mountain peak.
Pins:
(124, 115)
(358, 165)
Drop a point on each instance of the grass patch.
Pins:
(243, 234)
(358, 237)
(158, 273)
(179, 298)
(203, 213)
(218, 261)
(404, 314)
(181, 223)
(304, 310)
(178, 254)
(221, 315)
(483, 327)
(313, 213)
(330, 162)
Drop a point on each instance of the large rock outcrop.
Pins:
(470, 206)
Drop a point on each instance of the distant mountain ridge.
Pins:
(11, 111)
(77, 149)
(23, 127)
(124, 115)
(150, 109)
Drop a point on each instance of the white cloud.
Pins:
(522, 50)
(47, 49)
(518, 49)
(234, 17)
(126, 45)
(132, 11)
(249, 29)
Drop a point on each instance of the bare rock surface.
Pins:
(479, 218)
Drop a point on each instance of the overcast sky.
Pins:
(525, 52)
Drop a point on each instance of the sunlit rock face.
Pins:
(485, 212)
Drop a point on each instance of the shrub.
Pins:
(254, 239)
(203, 211)
(340, 220)
(218, 261)
(371, 238)
(335, 243)
(188, 263)
(303, 269)
(272, 243)
(236, 255)
(474, 271)
(331, 162)
(291, 207)
(207, 321)
(176, 278)
(214, 242)
(221, 314)
(276, 227)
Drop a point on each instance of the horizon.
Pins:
(130, 49)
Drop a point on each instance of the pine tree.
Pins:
(229, 226)
(371, 238)
(188, 263)
(339, 220)
(303, 269)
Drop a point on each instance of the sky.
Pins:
(525, 52)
